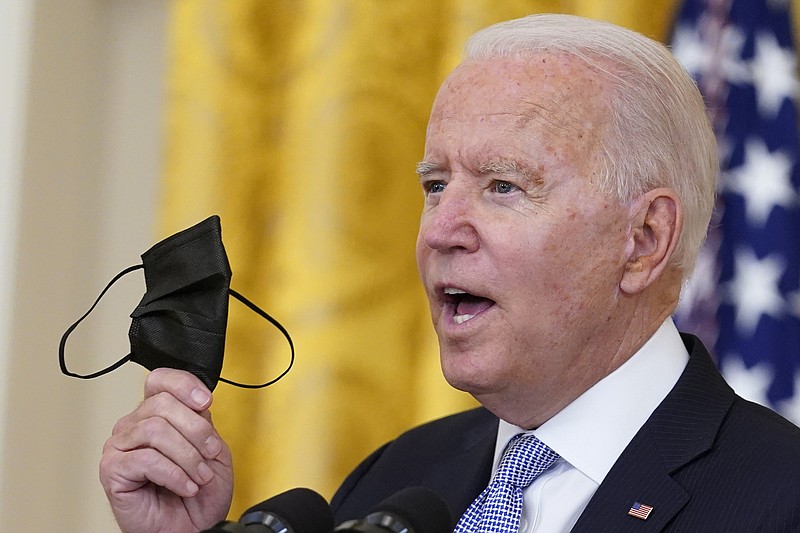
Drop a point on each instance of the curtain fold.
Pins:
(299, 122)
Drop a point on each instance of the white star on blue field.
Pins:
(745, 297)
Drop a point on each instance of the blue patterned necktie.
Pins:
(499, 507)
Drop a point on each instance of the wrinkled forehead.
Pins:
(557, 91)
(532, 110)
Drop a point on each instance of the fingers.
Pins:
(124, 472)
(182, 385)
(168, 439)
(164, 415)
(162, 419)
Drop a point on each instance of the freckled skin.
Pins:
(550, 253)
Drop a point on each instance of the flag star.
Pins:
(700, 59)
(690, 50)
(773, 71)
(754, 289)
(749, 383)
(733, 66)
(764, 180)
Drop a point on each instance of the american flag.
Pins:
(640, 510)
(744, 299)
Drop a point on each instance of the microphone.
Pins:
(412, 510)
(294, 511)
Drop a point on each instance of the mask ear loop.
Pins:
(62, 345)
(253, 307)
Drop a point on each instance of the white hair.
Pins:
(658, 135)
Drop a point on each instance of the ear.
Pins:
(657, 219)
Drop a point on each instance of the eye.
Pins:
(504, 187)
(433, 187)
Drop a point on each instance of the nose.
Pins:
(449, 226)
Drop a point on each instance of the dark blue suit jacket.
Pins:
(706, 460)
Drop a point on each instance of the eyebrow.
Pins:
(501, 167)
(510, 166)
(426, 168)
(497, 166)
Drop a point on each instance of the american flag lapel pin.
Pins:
(640, 510)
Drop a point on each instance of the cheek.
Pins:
(420, 251)
(537, 274)
(593, 268)
(565, 272)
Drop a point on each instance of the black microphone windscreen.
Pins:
(304, 510)
(225, 527)
(420, 508)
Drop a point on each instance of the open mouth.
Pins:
(463, 305)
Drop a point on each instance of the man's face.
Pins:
(520, 255)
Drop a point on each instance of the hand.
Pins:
(165, 468)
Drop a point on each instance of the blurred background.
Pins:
(299, 122)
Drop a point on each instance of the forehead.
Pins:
(548, 96)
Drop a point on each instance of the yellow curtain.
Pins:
(299, 122)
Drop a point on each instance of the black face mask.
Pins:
(181, 320)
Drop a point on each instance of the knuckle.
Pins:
(152, 427)
(108, 448)
(108, 462)
(161, 402)
(175, 473)
(121, 425)
(149, 460)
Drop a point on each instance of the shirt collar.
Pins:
(591, 432)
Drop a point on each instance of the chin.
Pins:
(464, 375)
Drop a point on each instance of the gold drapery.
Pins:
(299, 122)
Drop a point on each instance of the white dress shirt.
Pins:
(591, 432)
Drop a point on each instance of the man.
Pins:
(568, 177)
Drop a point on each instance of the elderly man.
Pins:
(568, 178)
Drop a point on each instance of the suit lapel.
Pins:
(466, 472)
(682, 428)
(638, 475)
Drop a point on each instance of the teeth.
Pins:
(460, 319)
